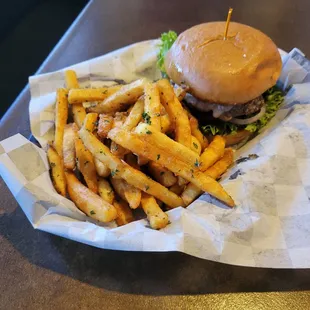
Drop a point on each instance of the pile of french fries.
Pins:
(132, 146)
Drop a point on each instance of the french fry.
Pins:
(78, 111)
(101, 169)
(161, 174)
(141, 123)
(142, 160)
(105, 191)
(196, 146)
(196, 132)
(212, 153)
(156, 216)
(124, 213)
(105, 124)
(176, 113)
(87, 104)
(86, 165)
(146, 184)
(171, 157)
(221, 165)
(57, 171)
(182, 181)
(114, 149)
(79, 114)
(128, 192)
(135, 115)
(60, 119)
(128, 94)
(119, 119)
(132, 120)
(71, 79)
(150, 135)
(105, 93)
(191, 192)
(167, 95)
(78, 96)
(165, 123)
(118, 150)
(88, 202)
(90, 121)
(132, 176)
(70, 135)
(177, 189)
(152, 105)
(131, 160)
(162, 109)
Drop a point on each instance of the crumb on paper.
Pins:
(246, 158)
(236, 174)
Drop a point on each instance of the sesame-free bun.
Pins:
(231, 71)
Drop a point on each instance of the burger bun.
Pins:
(231, 71)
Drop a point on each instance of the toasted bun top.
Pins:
(231, 71)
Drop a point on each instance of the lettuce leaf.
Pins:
(273, 99)
(219, 129)
(167, 39)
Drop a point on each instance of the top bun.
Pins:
(231, 71)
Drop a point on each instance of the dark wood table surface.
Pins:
(42, 271)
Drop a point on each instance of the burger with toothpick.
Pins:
(229, 71)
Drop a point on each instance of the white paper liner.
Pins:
(270, 227)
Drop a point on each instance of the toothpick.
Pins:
(225, 33)
(227, 23)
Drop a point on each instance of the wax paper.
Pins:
(270, 226)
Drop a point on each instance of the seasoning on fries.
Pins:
(89, 202)
(122, 128)
(57, 171)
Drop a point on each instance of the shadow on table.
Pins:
(142, 273)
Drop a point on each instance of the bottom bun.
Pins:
(237, 138)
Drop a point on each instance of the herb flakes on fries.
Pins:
(97, 158)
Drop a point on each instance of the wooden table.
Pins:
(42, 271)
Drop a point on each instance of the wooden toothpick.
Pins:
(219, 37)
(227, 23)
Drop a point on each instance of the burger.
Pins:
(229, 82)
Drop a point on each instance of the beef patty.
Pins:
(244, 109)
(225, 112)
